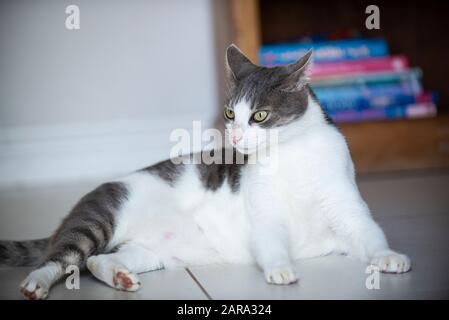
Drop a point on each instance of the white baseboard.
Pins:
(59, 154)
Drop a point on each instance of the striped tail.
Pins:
(22, 253)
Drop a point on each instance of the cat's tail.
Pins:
(22, 253)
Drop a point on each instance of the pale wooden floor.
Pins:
(412, 208)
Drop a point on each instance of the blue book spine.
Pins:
(389, 113)
(360, 104)
(329, 51)
(366, 97)
(412, 76)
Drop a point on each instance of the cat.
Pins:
(176, 214)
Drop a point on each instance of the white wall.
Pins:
(72, 102)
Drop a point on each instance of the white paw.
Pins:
(93, 264)
(391, 262)
(125, 280)
(33, 289)
(280, 275)
(114, 274)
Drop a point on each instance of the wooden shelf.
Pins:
(399, 145)
(245, 16)
(375, 146)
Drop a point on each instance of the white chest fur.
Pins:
(306, 165)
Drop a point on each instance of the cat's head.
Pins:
(262, 98)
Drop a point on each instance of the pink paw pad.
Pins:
(28, 295)
(126, 281)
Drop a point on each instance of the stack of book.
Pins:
(358, 80)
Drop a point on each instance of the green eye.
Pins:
(260, 116)
(229, 114)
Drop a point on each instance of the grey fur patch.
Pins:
(22, 253)
(88, 238)
(262, 89)
(3, 252)
(214, 175)
(166, 170)
(89, 227)
(283, 91)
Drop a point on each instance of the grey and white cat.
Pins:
(174, 215)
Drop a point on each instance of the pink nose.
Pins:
(236, 138)
(236, 134)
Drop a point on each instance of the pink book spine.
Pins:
(396, 63)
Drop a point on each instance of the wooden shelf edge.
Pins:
(245, 17)
(399, 145)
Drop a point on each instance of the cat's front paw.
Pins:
(125, 280)
(391, 262)
(280, 275)
(33, 289)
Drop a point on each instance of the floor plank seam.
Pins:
(199, 284)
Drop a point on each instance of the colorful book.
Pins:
(359, 67)
(327, 51)
(411, 75)
(410, 111)
(359, 97)
(376, 102)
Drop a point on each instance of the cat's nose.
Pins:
(237, 135)
(236, 139)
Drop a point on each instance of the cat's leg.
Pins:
(38, 283)
(65, 252)
(269, 236)
(119, 269)
(85, 232)
(269, 243)
(351, 221)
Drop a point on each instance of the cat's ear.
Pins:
(237, 65)
(297, 73)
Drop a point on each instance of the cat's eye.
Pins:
(260, 116)
(229, 114)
